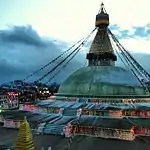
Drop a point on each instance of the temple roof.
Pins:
(105, 107)
(103, 122)
(112, 123)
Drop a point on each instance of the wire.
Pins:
(130, 65)
(134, 70)
(55, 67)
(128, 61)
(63, 66)
(147, 75)
(119, 55)
(81, 44)
(53, 60)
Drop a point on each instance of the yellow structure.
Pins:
(24, 139)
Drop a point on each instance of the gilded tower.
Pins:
(101, 52)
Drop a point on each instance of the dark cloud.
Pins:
(22, 51)
(21, 34)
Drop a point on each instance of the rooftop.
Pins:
(78, 142)
(114, 123)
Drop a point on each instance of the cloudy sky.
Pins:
(34, 32)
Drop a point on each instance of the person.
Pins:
(133, 131)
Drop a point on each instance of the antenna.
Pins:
(102, 8)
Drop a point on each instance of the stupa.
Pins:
(24, 139)
(114, 102)
(101, 77)
(94, 105)
(101, 99)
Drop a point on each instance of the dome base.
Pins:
(101, 81)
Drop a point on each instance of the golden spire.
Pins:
(102, 18)
(101, 52)
(24, 139)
